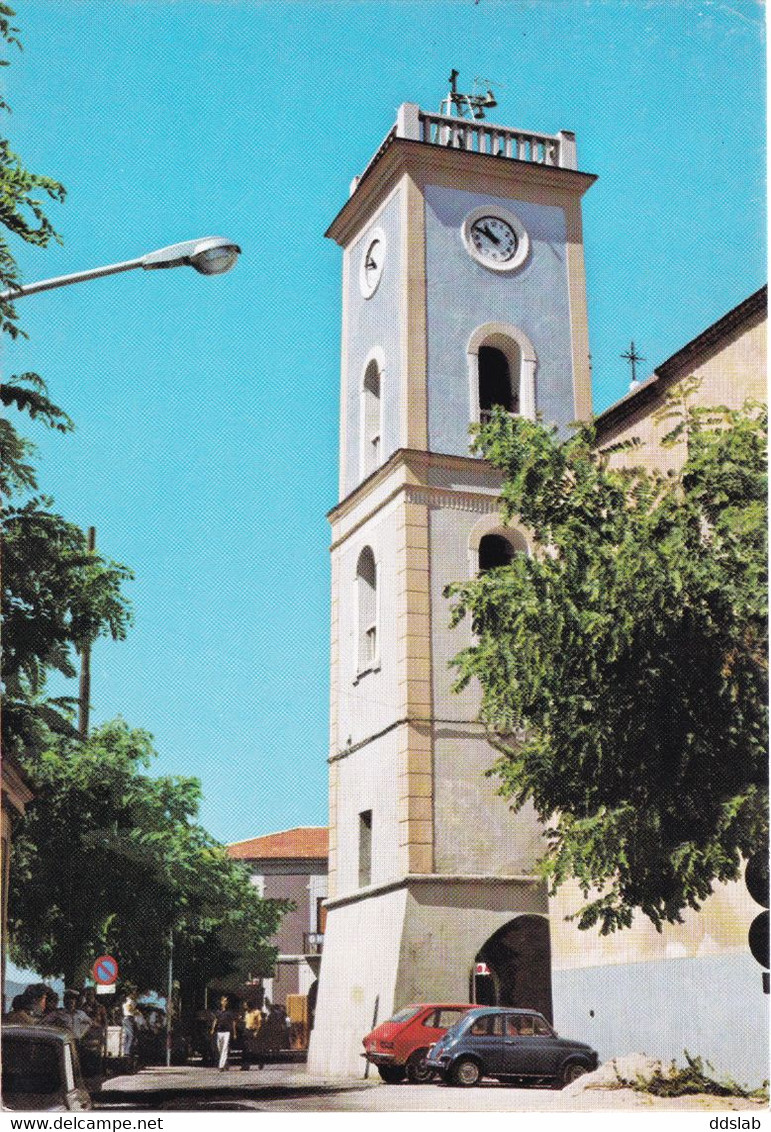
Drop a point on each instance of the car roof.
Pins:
(477, 1010)
(11, 1029)
(438, 1006)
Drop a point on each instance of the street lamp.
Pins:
(211, 256)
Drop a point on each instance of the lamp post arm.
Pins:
(14, 293)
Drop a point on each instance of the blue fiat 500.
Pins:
(508, 1044)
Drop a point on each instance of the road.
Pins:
(290, 1089)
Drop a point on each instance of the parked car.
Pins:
(399, 1046)
(510, 1044)
(41, 1070)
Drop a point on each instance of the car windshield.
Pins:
(404, 1014)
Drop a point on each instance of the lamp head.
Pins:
(211, 256)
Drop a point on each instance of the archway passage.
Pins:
(518, 957)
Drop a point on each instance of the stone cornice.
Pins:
(421, 879)
(432, 163)
(410, 471)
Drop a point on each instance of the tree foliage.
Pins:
(57, 595)
(623, 665)
(112, 860)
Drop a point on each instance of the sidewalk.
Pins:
(159, 1084)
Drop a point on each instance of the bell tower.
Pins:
(463, 289)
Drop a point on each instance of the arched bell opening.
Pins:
(513, 967)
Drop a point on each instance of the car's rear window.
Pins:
(443, 1018)
(404, 1014)
(30, 1066)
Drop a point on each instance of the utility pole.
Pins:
(84, 694)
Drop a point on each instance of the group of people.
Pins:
(260, 1033)
(81, 1012)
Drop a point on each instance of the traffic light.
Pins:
(756, 879)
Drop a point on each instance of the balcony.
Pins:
(469, 134)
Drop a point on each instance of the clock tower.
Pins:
(463, 289)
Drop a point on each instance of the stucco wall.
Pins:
(369, 702)
(367, 780)
(371, 323)
(713, 1007)
(358, 971)
(730, 374)
(462, 295)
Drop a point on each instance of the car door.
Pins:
(530, 1046)
(485, 1039)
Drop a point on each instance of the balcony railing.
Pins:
(313, 943)
(414, 124)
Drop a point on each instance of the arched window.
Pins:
(502, 369)
(370, 419)
(498, 380)
(366, 588)
(494, 551)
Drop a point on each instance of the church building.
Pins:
(463, 289)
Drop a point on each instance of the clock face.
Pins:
(373, 259)
(496, 238)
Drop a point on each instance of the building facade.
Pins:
(291, 865)
(464, 288)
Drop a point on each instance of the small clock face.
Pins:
(496, 238)
(373, 259)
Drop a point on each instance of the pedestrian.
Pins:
(21, 1011)
(38, 994)
(223, 1029)
(128, 1028)
(70, 1014)
(252, 1022)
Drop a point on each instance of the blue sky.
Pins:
(206, 409)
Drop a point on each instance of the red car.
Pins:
(399, 1046)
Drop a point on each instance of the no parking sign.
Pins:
(105, 971)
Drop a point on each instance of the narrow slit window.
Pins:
(366, 580)
(371, 445)
(365, 848)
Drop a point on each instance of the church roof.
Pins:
(672, 368)
(303, 843)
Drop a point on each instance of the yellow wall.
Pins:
(730, 373)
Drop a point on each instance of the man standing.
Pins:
(223, 1029)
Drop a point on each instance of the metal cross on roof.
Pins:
(633, 358)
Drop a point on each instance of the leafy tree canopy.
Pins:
(623, 665)
(56, 595)
(110, 859)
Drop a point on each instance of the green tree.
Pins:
(56, 595)
(623, 666)
(111, 859)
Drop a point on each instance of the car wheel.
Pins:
(417, 1070)
(391, 1074)
(465, 1072)
(570, 1073)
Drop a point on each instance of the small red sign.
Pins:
(481, 969)
(105, 970)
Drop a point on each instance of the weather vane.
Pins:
(633, 358)
(471, 105)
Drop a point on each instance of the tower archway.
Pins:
(501, 367)
(513, 967)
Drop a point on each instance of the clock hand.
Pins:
(490, 235)
(370, 263)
